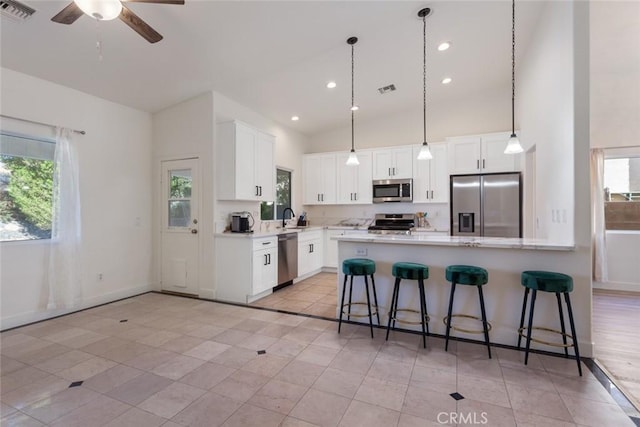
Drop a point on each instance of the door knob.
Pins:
(194, 231)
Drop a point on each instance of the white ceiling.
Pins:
(276, 56)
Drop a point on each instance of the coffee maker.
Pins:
(241, 222)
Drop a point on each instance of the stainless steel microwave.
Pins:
(392, 190)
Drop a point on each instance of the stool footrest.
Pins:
(553, 344)
(409, 322)
(469, 331)
(374, 309)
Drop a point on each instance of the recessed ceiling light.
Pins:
(295, 118)
(444, 46)
(331, 85)
(355, 108)
(446, 80)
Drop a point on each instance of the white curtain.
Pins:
(598, 229)
(65, 285)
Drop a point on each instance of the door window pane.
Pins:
(180, 184)
(179, 213)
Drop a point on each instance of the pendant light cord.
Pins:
(424, 76)
(352, 103)
(513, 67)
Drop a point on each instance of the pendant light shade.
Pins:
(425, 152)
(102, 10)
(513, 146)
(353, 157)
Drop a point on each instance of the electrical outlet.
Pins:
(99, 277)
(361, 251)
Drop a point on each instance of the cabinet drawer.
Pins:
(265, 243)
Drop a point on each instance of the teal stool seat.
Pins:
(359, 267)
(409, 271)
(557, 283)
(547, 281)
(467, 275)
(472, 276)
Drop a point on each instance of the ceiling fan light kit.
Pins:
(106, 10)
(102, 10)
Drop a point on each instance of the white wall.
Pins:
(553, 106)
(184, 131)
(115, 178)
(482, 112)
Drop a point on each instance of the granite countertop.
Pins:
(473, 242)
(276, 232)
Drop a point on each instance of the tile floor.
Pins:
(163, 360)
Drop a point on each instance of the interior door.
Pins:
(179, 230)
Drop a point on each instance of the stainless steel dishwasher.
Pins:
(287, 258)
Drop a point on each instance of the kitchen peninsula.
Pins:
(503, 258)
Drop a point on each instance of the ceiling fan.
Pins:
(105, 10)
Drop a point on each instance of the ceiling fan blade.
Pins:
(139, 26)
(156, 1)
(68, 15)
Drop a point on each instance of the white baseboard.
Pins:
(207, 294)
(306, 276)
(617, 286)
(36, 316)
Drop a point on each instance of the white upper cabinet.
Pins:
(354, 182)
(431, 177)
(245, 163)
(481, 154)
(319, 171)
(393, 163)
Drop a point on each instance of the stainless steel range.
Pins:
(393, 224)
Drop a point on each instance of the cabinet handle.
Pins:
(322, 198)
(427, 194)
(257, 192)
(311, 248)
(394, 171)
(477, 164)
(265, 259)
(482, 163)
(389, 171)
(269, 258)
(355, 196)
(266, 243)
(318, 196)
(350, 196)
(432, 194)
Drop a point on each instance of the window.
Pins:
(283, 197)
(26, 187)
(622, 193)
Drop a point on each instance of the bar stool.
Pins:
(473, 276)
(359, 267)
(409, 271)
(558, 283)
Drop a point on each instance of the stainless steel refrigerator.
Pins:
(487, 205)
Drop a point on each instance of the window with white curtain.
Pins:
(26, 187)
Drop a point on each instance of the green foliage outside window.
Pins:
(29, 192)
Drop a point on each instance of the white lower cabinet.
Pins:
(310, 252)
(246, 268)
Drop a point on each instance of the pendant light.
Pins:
(353, 157)
(425, 152)
(513, 146)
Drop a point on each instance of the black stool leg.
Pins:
(573, 331)
(524, 309)
(446, 338)
(484, 321)
(366, 287)
(533, 304)
(423, 312)
(393, 308)
(564, 337)
(350, 294)
(375, 299)
(344, 290)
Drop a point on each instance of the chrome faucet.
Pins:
(283, 216)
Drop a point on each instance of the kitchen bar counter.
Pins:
(504, 259)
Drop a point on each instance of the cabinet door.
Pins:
(347, 179)
(363, 188)
(312, 170)
(265, 273)
(328, 178)
(421, 176)
(304, 258)
(331, 248)
(493, 157)
(383, 164)
(464, 155)
(265, 167)
(402, 167)
(439, 178)
(245, 163)
(315, 258)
